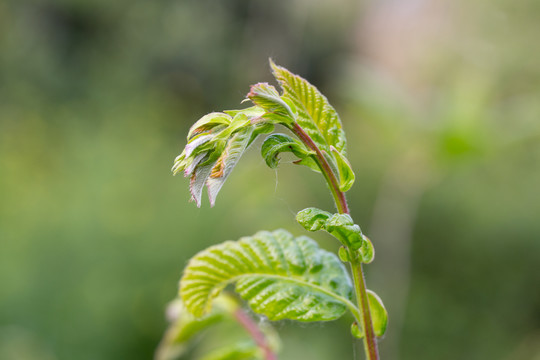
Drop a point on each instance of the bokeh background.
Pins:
(441, 103)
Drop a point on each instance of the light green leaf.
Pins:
(341, 226)
(184, 326)
(313, 219)
(267, 97)
(278, 143)
(379, 317)
(280, 276)
(356, 330)
(343, 254)
(345, 230)
(226, 162)
(215, 144)
(207, 122)
(245, 350)
(346, 174)
(313, 111)
(367, 251)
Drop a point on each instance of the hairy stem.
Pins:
(370, 340)
(256, 334)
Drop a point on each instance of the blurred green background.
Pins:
(441, 104)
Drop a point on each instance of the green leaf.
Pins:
(215, 144)
(280, 276)
(379, 317)
(346, 174)
(244, 350)
(367, 251)
(184, 326)
(226, 162)
(313, 111)
(267, 97)
(341, 226)
(345, 230)
(313, 219)
(343, 254)
(278, 143)
(207, 122)
(356, 330)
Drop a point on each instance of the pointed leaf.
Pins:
(346, 174)
(314, 113)
(379, 315)
(278, 143)
(280, 276)
(267, 97)
(215, 144)
(226, 162)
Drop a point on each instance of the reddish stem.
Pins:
(370, 339)
(256, 334)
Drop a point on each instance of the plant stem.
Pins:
(255, 333)
(370, 340)
(339, 196)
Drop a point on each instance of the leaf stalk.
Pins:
(256, 334)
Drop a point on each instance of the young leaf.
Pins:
(341, 226)
(278, 143)
(346, 174)
(379, 317)
(367, 251)
(227, 161)
(207, 122)
(345, 230)
(184, 326)
(280, 276)
(314, 113)
(245, 350)
(267, 97)
(215, 144)
(313, 219)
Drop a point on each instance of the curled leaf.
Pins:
(280, 276)
(345, 230)
(341, 226)
(313, 219)
(215, 144)
(346, 174)
(367, 251)
(275, 144)
(267, 97)
(208, 122)
(343, 254)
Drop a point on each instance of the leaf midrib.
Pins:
(299, 281)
